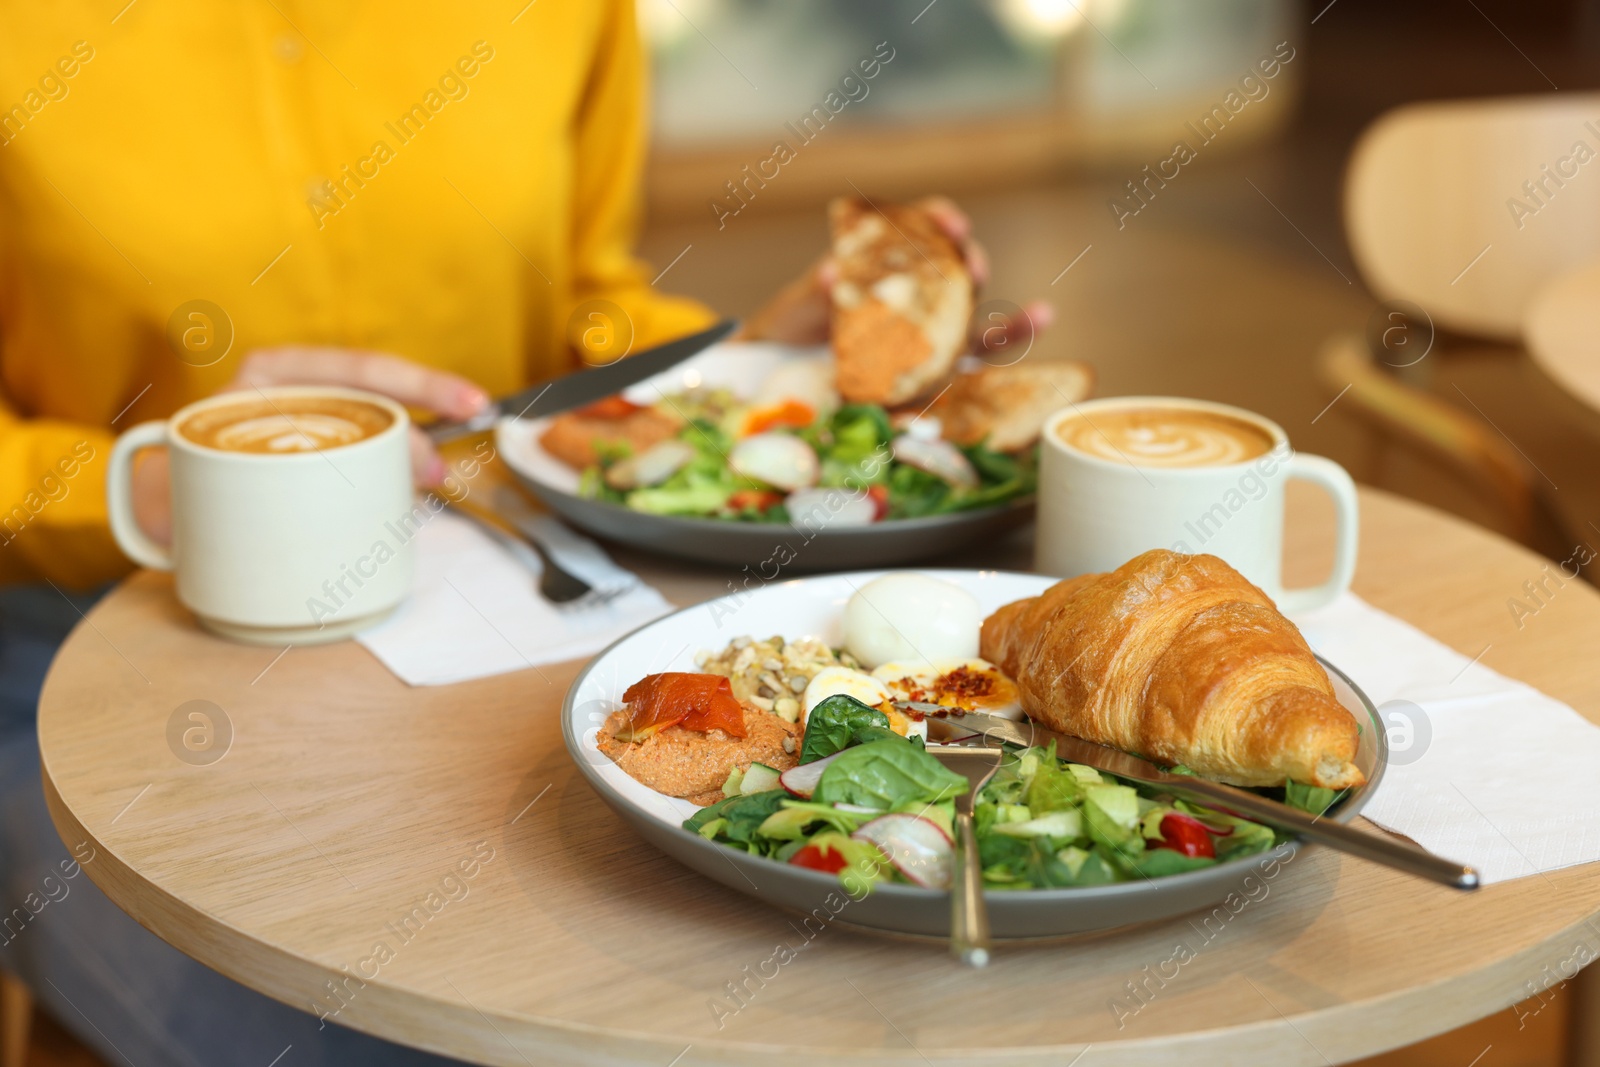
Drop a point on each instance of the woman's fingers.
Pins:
(1012, 335)
(427, 467)
(951, 219)
(412, 384)
(958, 227)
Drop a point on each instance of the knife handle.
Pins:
(1389, 851)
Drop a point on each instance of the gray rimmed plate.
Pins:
(814, 607)
(742, 367)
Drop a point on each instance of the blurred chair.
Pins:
(1413, 417)
(1468, 207)
(1465, 209)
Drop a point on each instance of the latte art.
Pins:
(286, 426)
(1165, 437)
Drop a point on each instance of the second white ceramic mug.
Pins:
(1096, 514)
(294, 548)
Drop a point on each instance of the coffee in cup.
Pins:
(291, 511)
(1165, 436)
(300, 424)
(1122, 475)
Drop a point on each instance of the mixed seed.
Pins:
(773, 673)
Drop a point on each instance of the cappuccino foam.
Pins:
(1165, 437)
(286, 425)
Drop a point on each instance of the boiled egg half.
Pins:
(969, 684)
(845, 681)
(911, 616)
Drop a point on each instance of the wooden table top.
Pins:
(524, 923)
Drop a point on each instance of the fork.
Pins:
(556, 585)
(969, 914)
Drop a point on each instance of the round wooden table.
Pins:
(527, 924)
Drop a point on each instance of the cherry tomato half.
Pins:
(757, 499)
(819, 860)
(1185, 834)
(879, 495)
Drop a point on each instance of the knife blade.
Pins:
(584, 386)
(1389, 851)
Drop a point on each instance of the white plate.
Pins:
(814, 607)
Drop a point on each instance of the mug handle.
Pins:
(119, 496)
(1336, 482)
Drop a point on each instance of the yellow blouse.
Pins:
(183, 183)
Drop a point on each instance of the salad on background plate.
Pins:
(758, 433)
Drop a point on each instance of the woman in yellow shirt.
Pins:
(408, 198)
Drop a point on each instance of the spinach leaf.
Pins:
(833, 723)
(993, 466)
(882, 774)
(743, 815)
(1160, 862)
(862, 426)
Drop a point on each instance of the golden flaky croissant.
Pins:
(1181, 660)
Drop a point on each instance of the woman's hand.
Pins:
(447, 395)
(799, 314)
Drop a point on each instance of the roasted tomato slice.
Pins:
(819, 859)
(610, 407)
(696, 702)
(757, 499)
(1185, 834)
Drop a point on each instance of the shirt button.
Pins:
(288, 49)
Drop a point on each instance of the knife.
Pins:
(944, 726)
(584, 386)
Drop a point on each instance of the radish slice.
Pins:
(802, 780)
(938, 458)
(818, 509)
(652, 466)
(780, 460)
(919, 848)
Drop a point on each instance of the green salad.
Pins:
(874, 806)
(785, 464)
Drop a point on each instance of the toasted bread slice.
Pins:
(1008, 406)
(900, 304)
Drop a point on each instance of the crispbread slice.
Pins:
(901, 301)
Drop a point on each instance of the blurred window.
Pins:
(732, 71)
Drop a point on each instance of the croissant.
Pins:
(1179, 659)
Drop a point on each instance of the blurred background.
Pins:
(1229, 281)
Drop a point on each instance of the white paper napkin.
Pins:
(475, 611)
(1484, 769)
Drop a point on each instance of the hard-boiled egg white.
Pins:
(910, 616)
(968, 684)
(845, 681)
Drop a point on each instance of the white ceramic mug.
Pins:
(289, 548)
(1096, 514)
